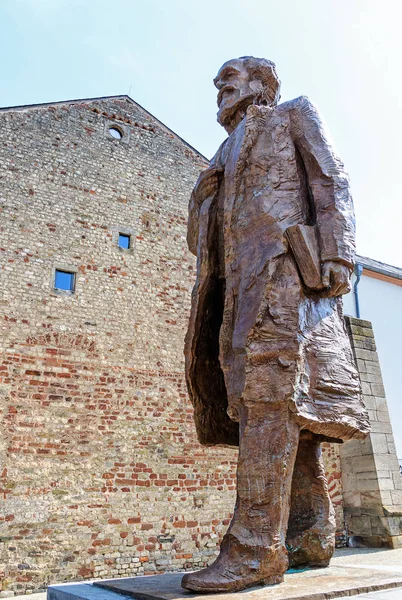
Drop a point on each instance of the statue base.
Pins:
(352, 572)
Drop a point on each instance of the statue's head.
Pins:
(244, 81)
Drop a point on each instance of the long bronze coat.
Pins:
(256, 333)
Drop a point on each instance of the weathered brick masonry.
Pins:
(101, 473)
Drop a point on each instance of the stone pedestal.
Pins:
(352, 571)
(372, 484)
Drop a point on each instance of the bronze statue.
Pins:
(268, 361)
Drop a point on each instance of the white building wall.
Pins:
(381, 303)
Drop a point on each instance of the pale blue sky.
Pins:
(344, 54)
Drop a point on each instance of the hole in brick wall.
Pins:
(116, 133)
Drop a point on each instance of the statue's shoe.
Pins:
(237, 568)
(226, 580)
(310, 550)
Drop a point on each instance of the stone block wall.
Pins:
(372, 484)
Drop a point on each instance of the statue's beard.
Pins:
(230, 116)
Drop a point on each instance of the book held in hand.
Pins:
(303, 240)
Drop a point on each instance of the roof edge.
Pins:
(379, 267)
(98, 99)
(74, 101)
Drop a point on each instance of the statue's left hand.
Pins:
(336, 278)
(207, 183)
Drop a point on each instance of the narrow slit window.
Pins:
(64, 280)
(124, 241)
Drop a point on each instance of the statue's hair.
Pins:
(265, 71)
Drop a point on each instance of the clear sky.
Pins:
(344, 54)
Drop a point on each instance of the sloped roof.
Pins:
(379, 267)
(99, 99)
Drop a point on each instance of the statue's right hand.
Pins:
(207, 183)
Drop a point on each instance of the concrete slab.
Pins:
(321, 584)
(81, 591)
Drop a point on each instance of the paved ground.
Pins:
(386, 560)
(384, 595)
(359, 566)
(395, 594)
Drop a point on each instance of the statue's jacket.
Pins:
(256, 332)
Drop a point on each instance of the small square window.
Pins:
(124, 241)
(64, 280)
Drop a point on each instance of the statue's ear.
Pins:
(257, 86)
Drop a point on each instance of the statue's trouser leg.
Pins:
(254, 550)
(311, 531)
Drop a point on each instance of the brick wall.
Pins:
(101, 471)
(101, 474)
